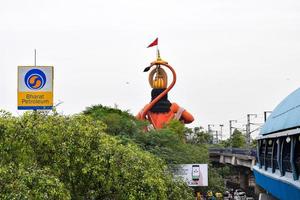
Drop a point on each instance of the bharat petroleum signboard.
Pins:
(35, 87)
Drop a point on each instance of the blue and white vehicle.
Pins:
(278, 150)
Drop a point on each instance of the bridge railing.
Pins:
(248, 152)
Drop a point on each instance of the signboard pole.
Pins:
(35, 87)
(35, 57)
(35, 110)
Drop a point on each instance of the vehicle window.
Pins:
(297, 154)
(269, 153)
(275, 164)
(286, 164)
(262, 152)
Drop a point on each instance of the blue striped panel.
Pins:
(35, 107)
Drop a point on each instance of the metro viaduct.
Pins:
(242, 159)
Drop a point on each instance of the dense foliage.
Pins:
(20, 182)
(198, 135)
(168, 143)
(102, 153)
(119, 123)
(165, 144)
(237, 140)
(52, 156)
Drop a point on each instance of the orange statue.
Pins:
(160, 110)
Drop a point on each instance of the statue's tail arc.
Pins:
(154, 101)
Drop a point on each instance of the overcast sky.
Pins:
(232, 57)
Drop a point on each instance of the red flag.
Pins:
(154, 43)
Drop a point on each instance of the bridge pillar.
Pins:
(222, 159)
(244, 178)
(233, 160)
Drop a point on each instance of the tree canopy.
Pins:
(238, 140)
(52, 156)
(169, 143)
(198, 135)
(102, 153)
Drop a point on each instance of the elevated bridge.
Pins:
(243, 161)
(236, 157)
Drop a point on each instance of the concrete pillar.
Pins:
(233, 160)
(244, 179)
(222, 160)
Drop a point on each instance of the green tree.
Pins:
(199, 136)
(238, 140)
(168, 143)
(215, 181)
(119, 123)
(60, 157)
(31, 183)
(165, 144)
(177, 128)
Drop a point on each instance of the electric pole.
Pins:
(248, 132)
(221, 131)
(230, 127)
(209, 131)
(230, 131)
(209, 127)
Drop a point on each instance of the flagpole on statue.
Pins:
(155, 43)
(158, 54)
(158, 58)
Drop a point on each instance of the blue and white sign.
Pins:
(35, 87)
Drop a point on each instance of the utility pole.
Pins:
(208, 127)
(230, 131)
(35, 57)
(221, 131)
(230, 127)
(248, 132)
(209, 131)
(217, 137)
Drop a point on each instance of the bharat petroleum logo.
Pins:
(35, 79)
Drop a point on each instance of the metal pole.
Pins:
(209, 131)
(230, 131)
(35, 57)
(221, 131)
(230, 127)
(248, 130)
(35, 111)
